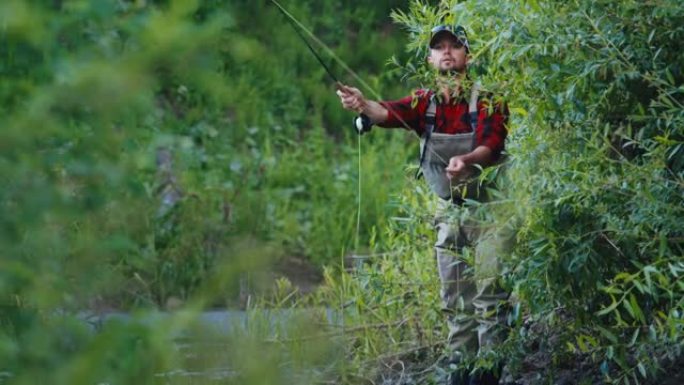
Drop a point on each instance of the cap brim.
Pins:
(439, 34)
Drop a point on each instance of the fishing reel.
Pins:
(362, 124)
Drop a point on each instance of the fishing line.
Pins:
(358, 211)
(295, 23)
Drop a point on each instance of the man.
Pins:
(459, 132)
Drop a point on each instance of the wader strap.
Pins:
(472, 106)
(429, 128)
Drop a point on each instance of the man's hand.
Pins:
(457, 169)
(461, 167)
(352, 98)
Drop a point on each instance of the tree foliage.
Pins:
(596, 170)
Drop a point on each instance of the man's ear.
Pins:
(428, 58)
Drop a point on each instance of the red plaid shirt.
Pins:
(451, 118)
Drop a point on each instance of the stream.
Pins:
(219, 345)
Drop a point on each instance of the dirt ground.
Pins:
(300, 272)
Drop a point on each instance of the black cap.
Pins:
(456, 31)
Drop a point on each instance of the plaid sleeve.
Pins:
(491, 126)
(403, 112)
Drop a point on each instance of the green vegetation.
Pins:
(154, 153)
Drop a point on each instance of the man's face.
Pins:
(448, 54)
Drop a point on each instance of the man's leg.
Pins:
(458, 288)
(490, 301)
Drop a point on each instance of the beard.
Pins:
(451, 71)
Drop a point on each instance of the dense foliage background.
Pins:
(153, 154)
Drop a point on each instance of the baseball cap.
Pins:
(456, 31)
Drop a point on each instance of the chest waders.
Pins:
(474, 301)
(436, 149)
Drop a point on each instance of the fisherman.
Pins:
(462, 130)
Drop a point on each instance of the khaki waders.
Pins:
(470, 294)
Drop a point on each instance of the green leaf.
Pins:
(608, 334)
(582, 346)
(638, 314)
(642, 369)
(611, 290)
(648, 270)
(608, 309)
(635, 335)
(639, 286)
(623, 276)
(663, 245)
(628, 306)
(669, 76)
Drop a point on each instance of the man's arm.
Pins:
(491, 135)
(353, 99)
(459, 165)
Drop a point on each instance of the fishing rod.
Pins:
(362, 123)
(365, 125)
(291, 19)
